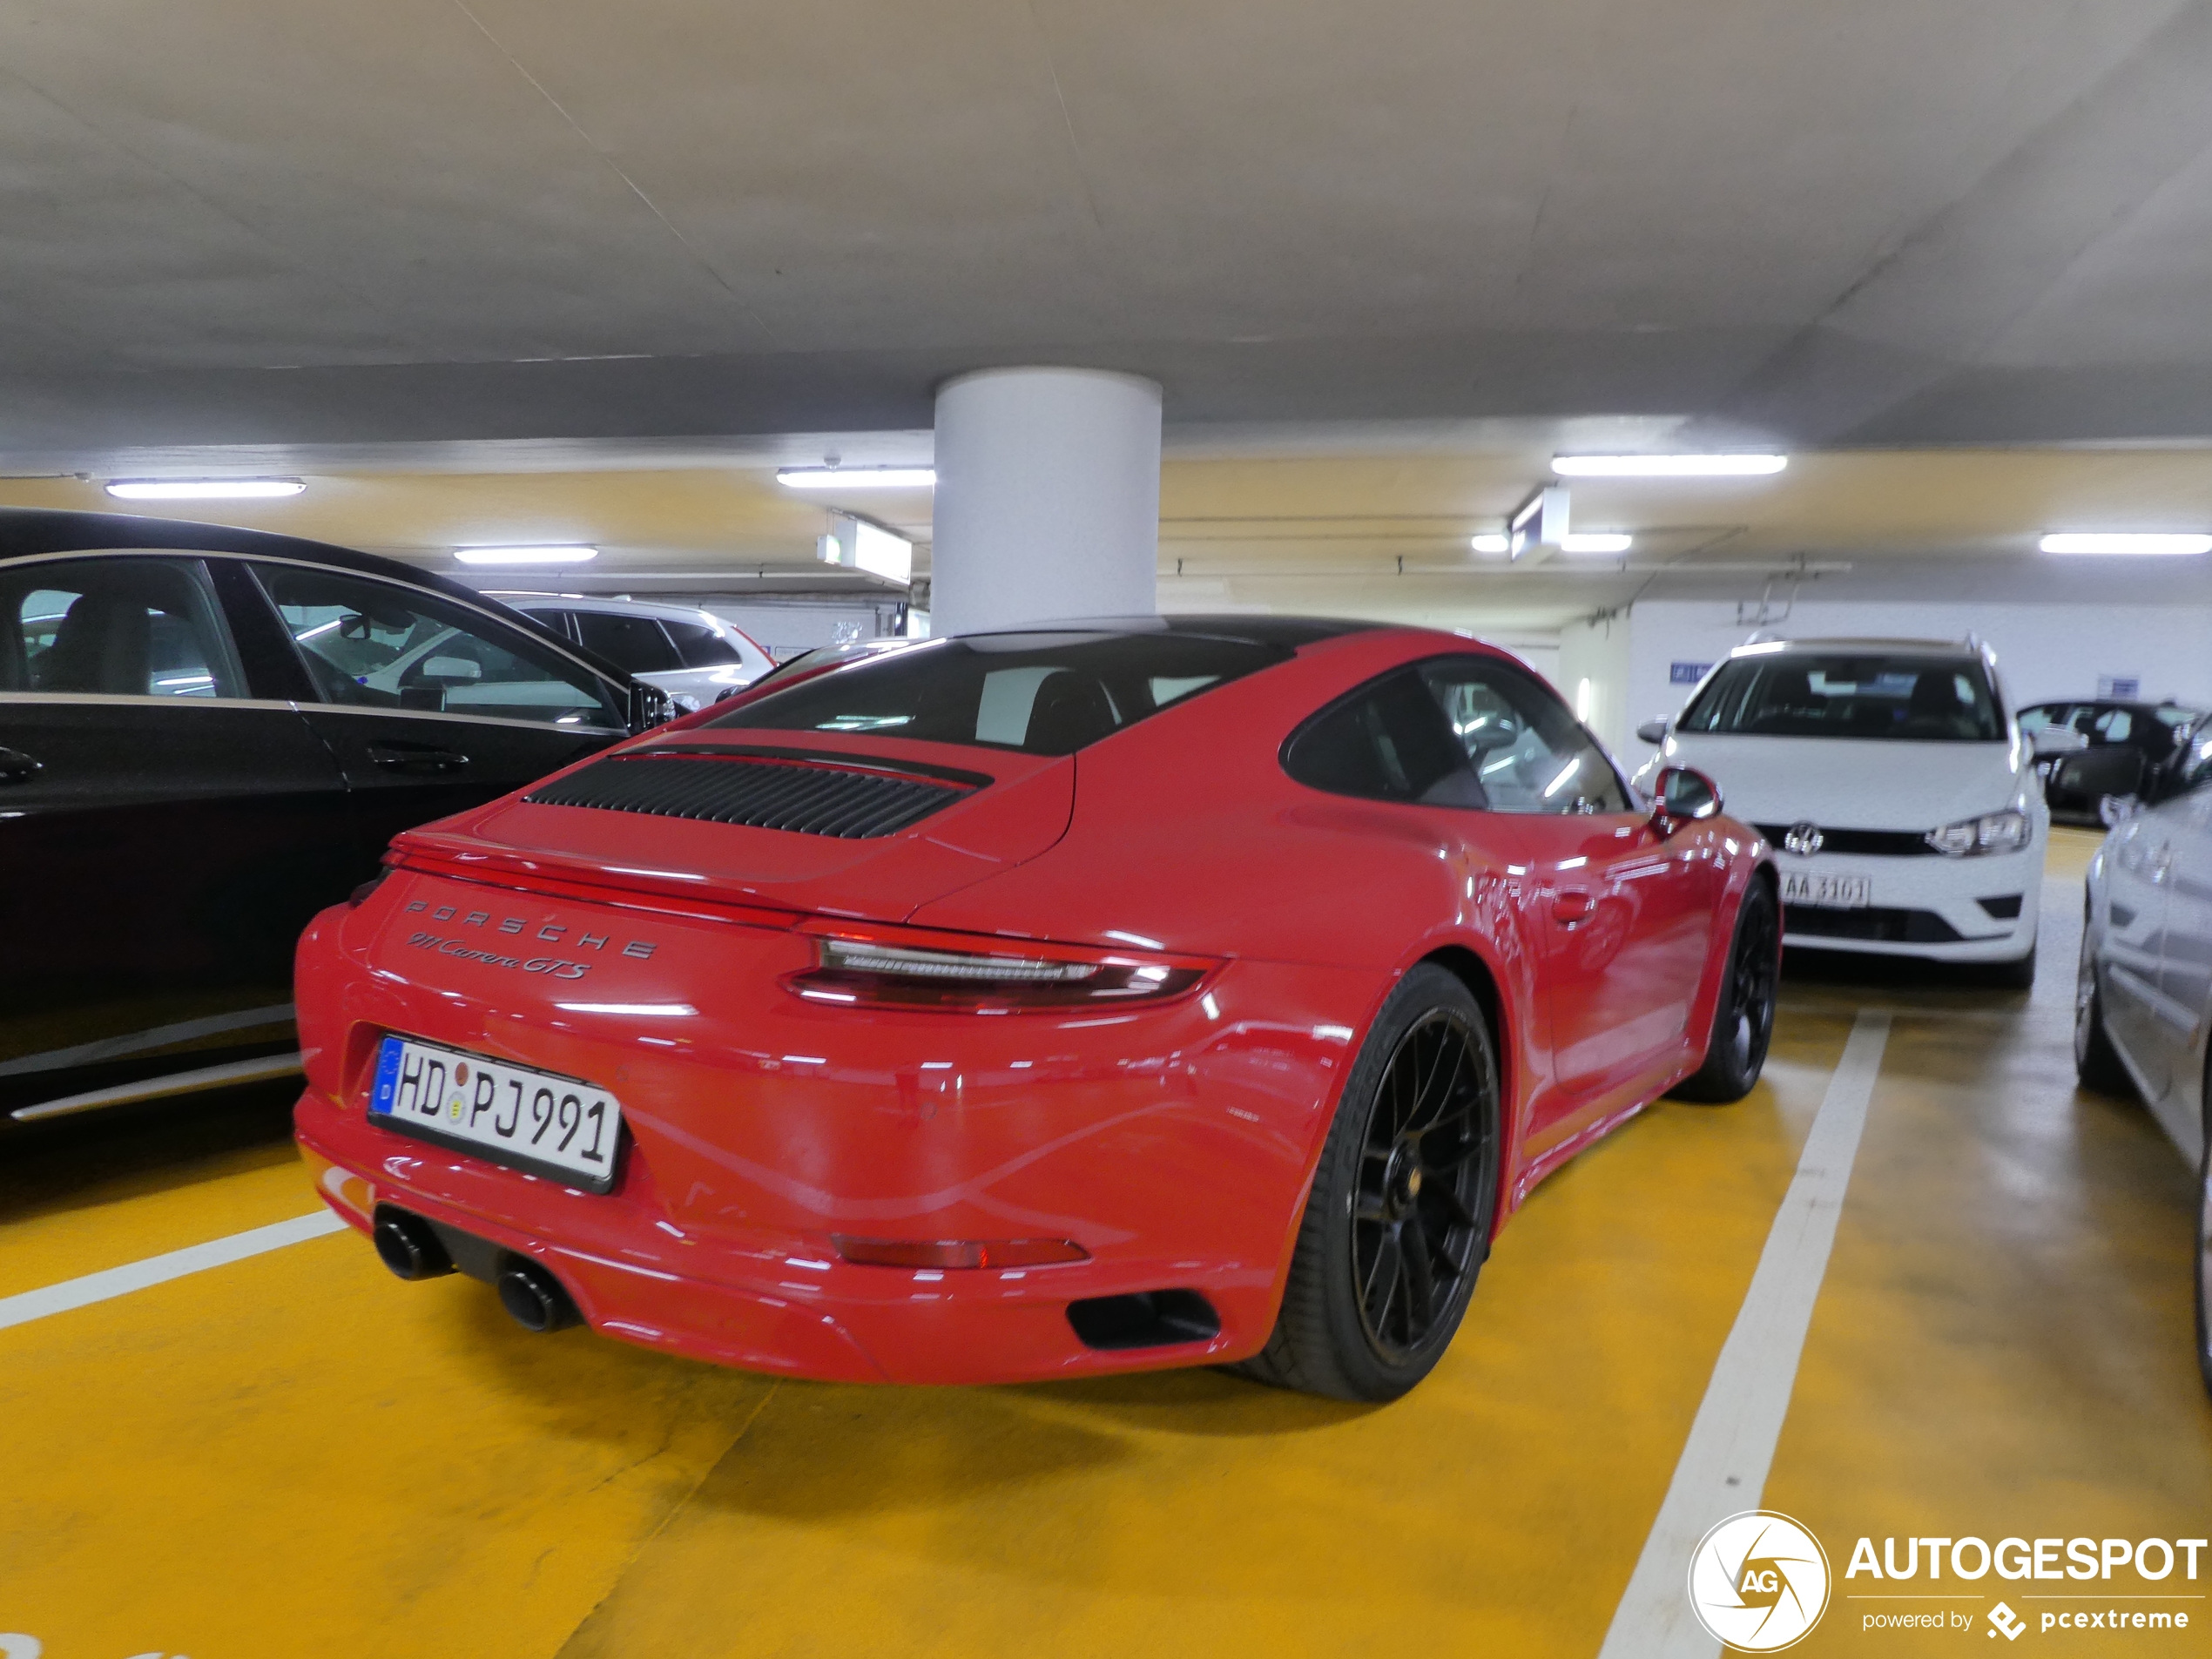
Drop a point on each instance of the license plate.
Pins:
(1828, 892)
(534, 1121)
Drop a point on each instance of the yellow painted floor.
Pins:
(296, 1455)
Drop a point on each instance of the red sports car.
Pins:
(1024, 1005)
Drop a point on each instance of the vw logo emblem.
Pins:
(1804, 840)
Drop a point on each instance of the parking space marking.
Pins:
(112, 1282)
(1725, 1462)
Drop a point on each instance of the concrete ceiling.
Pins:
(1889, 223)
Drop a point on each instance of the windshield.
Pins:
(1850, 694)
(1044, 693)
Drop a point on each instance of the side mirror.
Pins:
(649, 706)
(1681, 795)
(1652, 731)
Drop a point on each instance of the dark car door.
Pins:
(166, 828)
(430, 706)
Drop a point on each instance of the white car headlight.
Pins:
(2005, 831)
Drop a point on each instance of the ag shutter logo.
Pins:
(1758, 1581)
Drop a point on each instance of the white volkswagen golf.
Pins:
(1893, 782)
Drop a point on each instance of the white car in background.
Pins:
(1897, 789)
(692, 654)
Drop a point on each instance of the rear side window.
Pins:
(378, 644)
(117, 626)
(1457, 731)
(1890, 697)
(635, 644)
(699, 645)
(1043, 693)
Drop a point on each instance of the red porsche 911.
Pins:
(1106, 996)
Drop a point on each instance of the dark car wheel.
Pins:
(2096, 1062)
(2204, 1266)
(1397, 1223)
(1744, 1018)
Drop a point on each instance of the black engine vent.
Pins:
(783, 794)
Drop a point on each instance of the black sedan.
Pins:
(2101, 760)
(206, 735)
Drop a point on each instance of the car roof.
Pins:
(1903, 647)
(28, 532)
(608, 603)
(1245, 628)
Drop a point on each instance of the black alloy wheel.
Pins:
(1744, 1014)
(1414, 1224)
(2096, 1062)
(1398, 1224)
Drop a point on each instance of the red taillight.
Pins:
(880, 967)
(958, 1252)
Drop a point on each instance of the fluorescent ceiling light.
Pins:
(525, 555)
(1491, 543)
(2168, 542)
(1747, 466)
(858, 477)
(203, 489)
(1606, 543)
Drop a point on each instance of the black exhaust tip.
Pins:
(538, 1301)
(409, 1246)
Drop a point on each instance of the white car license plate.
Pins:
(529, 1120)
(1828, 892)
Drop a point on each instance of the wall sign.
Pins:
(1686, 673)
(2123, 688)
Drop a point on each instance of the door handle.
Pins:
(1573, 908)
(16, 767)
(2162, 861)
(417, 757)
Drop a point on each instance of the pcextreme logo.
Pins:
(1758, 1581)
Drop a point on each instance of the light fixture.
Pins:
(203, 489)
(525, 555)
(2166, 542)
(1492, 542)
(1596, 542)
(857, 477)
(1742, 466)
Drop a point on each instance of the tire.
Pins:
(2204, 1267)
(2018, 975)
(1744, 1014)
(1397, 1223)
(2096, 1062)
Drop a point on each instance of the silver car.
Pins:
(2143, 999)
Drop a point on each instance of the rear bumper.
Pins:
(782, 1309)
(1172, 1145)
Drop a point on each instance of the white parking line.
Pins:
(1725, 1462)
(159, 1269)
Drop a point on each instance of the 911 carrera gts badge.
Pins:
(551, 933)
(1804, 840)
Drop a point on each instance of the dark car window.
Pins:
(1848, 694)
(1456, 731)
(636, 644)
(381, 645)
(699, 646)
(125, 627)
(1045, 693)
(561, 622)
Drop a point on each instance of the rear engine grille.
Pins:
(1892, 844)
(1874, 922)
(807, 800)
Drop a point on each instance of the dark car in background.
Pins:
(207, 735)
(2100, 759)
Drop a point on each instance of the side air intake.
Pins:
(804, 796)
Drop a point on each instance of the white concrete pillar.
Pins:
(1047, 498)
